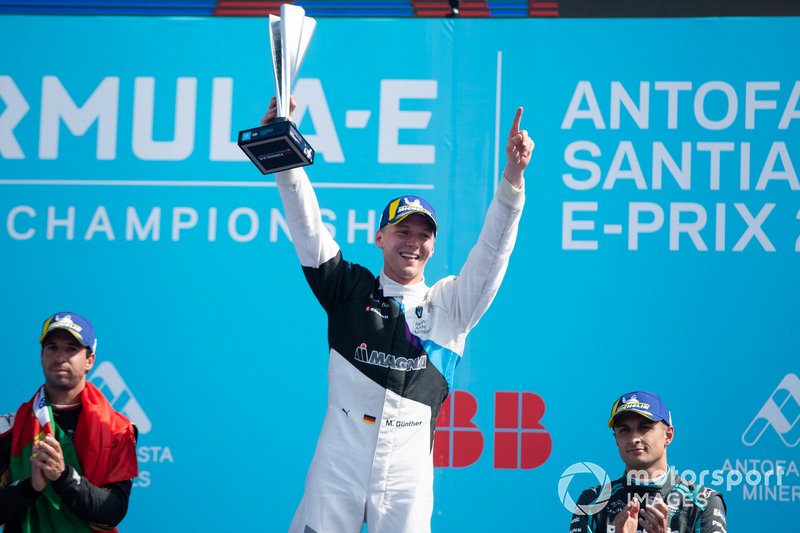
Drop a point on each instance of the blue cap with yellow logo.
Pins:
(400, 208)
(648, 404)
(80, 328)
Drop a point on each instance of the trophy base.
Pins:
(276, 147)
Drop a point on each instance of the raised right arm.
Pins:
(312, 240)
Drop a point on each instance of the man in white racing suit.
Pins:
(394, 345)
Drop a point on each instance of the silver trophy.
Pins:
(279, 146)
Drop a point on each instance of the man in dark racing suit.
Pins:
(650, 497)
(394, 345)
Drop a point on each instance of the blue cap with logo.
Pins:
(648, 404)
(400, 208)
(79, 327)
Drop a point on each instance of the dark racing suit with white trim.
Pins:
(393, 352)
(692, 508)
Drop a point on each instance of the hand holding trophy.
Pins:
(279, 145)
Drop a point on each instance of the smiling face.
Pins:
(406, 247)
(642, 443)
(65, 362)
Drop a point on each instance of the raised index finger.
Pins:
(515, 124)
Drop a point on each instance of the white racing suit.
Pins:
(393, 353)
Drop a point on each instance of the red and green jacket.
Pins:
(103, 450)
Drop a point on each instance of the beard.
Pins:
(62, 381)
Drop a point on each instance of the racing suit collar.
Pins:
(392, 289)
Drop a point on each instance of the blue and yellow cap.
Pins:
(648, 404)
(400, 208)
(80, 328)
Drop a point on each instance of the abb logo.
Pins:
(520, 440)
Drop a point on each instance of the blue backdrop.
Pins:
(658, 249)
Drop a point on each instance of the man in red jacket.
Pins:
(67, 459)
